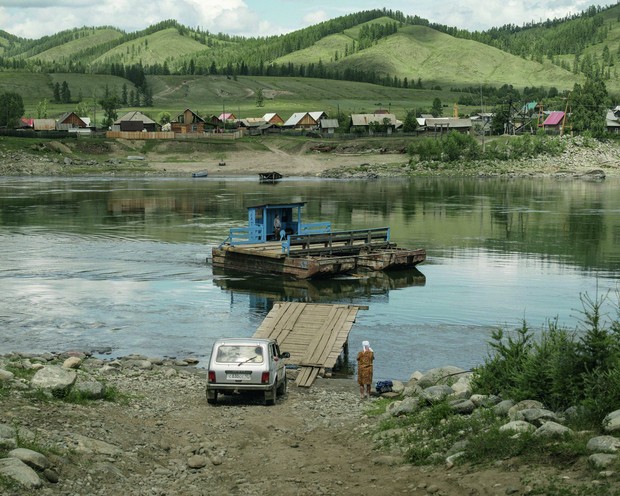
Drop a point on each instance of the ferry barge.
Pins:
(307, 250)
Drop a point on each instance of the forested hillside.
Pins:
(378, 46)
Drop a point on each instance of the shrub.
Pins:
(561, 368)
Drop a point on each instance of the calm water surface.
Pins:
(118, 265)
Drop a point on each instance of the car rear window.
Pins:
(239, 354)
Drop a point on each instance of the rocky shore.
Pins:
(581, 159)
(73, 424)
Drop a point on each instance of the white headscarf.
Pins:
(366, 346)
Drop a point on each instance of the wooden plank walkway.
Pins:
(314, 334)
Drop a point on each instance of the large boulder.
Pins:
(21, 473)
(523, 405)
(31, 458)
(552, 429)
(435, 394)
(603, 444)
(57, 380)
(90, 389)
(441, 375)
(611, 423)
(502, 408)
(5, 375)
(404, 407)
(536, 416)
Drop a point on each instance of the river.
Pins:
(120, 266)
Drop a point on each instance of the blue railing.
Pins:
(337, 240)
(243, 236)
(315, 228)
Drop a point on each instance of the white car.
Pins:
(246, 364)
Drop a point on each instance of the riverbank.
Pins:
(159, 436)
(361, 159)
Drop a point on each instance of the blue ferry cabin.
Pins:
(261, 219)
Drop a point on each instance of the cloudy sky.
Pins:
(36, 18)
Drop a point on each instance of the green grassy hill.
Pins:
(89, 38)
(155, 48)
(437, 58)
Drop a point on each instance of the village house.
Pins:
(613, 120)
(69, 121)
(554, 122)
(329, 126)
(227, 116)
(441, 125)
(273, 118)
(301, 120)
(255, 126)
(188, 122)
(373, 123)
(134, 121)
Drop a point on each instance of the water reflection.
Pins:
(322, 290)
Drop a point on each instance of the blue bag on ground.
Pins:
(384, 386)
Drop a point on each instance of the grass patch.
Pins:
(110, 393)
(20, 373)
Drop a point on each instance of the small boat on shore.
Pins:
(269, 177)
(307, 250)
(202, 173)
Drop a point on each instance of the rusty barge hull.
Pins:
(267, 258)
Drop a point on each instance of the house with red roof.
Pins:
(554, 121)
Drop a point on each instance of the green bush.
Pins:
(561, 368)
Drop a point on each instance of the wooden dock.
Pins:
(314, 334)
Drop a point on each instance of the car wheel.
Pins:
(283, 385)
(211, 397)
(270, 396)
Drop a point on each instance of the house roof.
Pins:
(554, 118)
(182, 114)
(136, 117)
(329, 123)
(612, 120)
(449, 122)
(66, 115)
(270, 115)
(294, 119)
(317, 116)
(252, 122)
(366, 119)
(44, 124)
(227, 116)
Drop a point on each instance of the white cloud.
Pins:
(315, 17)
(476, 15)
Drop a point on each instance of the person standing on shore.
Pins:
(364, 369)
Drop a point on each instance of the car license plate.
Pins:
(238, 376)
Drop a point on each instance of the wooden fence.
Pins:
(140, 135)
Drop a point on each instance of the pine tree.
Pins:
(65, 94)
(57, 92)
